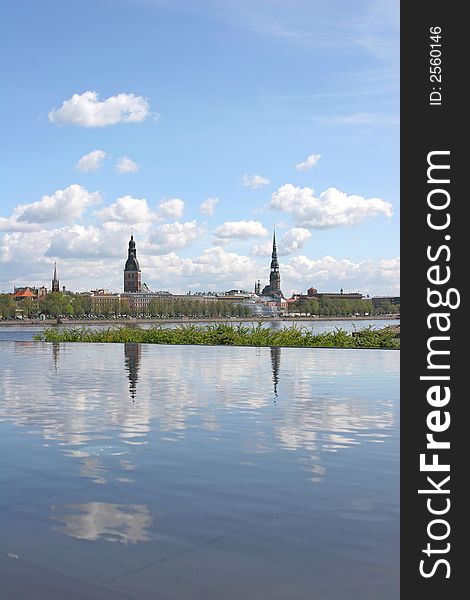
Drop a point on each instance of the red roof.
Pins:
(24, 294)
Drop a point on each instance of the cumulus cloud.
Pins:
(64, 205)
(100, 242)
(255, 181)
(126, 165)
(128, 210)
(93, 256)
(239, 229)
(214, 269)
(91, 161)
(208, 206)
(310, 162)
(174, 236)
(25, 249)
(86, 110)
(77, 241)
(332, 208)
(292, 241)
(12, 224)
(330, 274)
(171, 208)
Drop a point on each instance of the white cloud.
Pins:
(208, 206)
(173, 236)
(128, 210)
(64, 205)
(93, 256)
(126, 165)
(214, 269)
(255, 181)
(91, 161)
(172, 208)
(101, 242)
(86, 110)
(25, 249)
(292, 241)
(329, 274)
(331, 208)
(310, 162)
(239, 229)
(12, 224)
(77, 241)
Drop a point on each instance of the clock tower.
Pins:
(132, 275)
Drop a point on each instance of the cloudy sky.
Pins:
(201, 125)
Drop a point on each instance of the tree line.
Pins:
(57, 304)
(340, 307)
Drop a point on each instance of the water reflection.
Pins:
(204, 463)
(132, 353)
(276, 363)
(104, 521)
(332, 400)
(55, 355)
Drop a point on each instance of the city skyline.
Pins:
(200, 135)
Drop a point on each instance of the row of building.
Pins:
(138, 297)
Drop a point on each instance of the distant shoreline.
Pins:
(53, 322)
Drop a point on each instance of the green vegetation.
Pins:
(7, 306)
(225, 335)
(59, 304)
(341, 307)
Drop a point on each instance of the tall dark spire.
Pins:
(275, 276)
(55, 280)
(274, 261)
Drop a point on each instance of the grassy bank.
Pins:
(225, 335)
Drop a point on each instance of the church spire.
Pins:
(274, 261)
(55, 279)
(275, 276)
(132, 275)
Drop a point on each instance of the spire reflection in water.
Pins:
(275, 363)
(55, 355)
(132, 355)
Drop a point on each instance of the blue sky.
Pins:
(193, 100)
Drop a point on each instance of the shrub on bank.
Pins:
(223, 334)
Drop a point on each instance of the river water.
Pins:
(180, 472)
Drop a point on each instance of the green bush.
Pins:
(225, 335)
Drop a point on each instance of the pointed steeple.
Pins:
(274, 287)
(55, 279)
(274, 260)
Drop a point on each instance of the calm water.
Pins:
(24, 333)
(187, 473)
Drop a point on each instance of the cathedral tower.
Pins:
(132, 273)
(274, 287)
(55, 280)
(275, 276)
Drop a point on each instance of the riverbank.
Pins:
(135, 321)
(223, 334)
